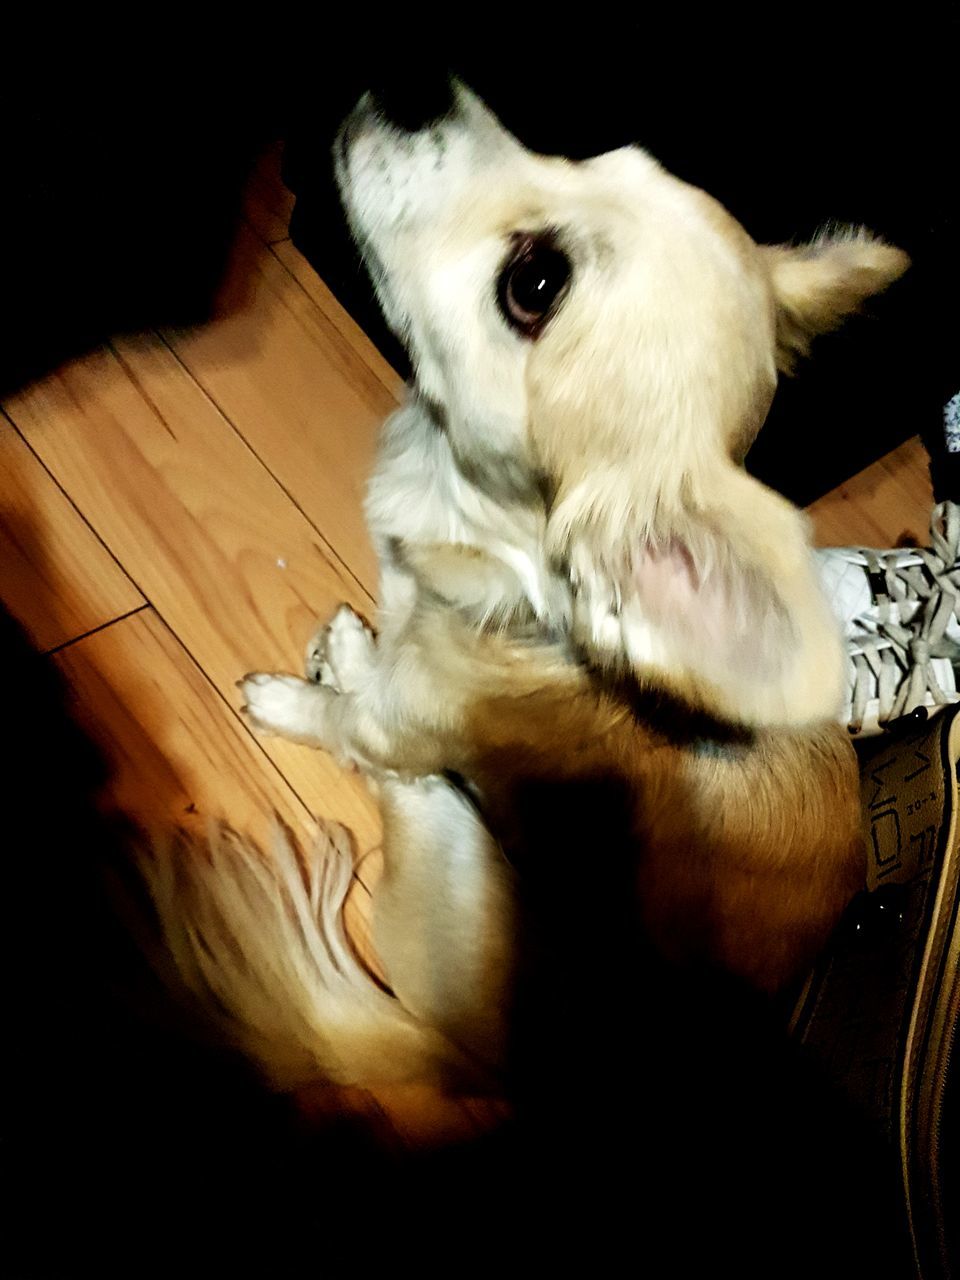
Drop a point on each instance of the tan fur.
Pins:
(820, 284)
(588, 610)
(745, 854)
(258, 941)
(743, 862)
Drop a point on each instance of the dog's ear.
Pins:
(819, 284)
(719, 603)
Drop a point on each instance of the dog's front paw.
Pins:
(340, 655)
(282, 704)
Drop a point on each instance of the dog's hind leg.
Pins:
(444, 915)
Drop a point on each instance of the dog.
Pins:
(601, 645)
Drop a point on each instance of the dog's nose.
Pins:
(415, 100)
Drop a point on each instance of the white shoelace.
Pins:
(892, 658)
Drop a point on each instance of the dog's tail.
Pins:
(259, 942)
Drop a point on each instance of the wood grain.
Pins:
(56, 577)
(175, 751)
(267, 202)
(297, 392)
(881, 506)
(213, 542)
(301, 270)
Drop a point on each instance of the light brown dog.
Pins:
(595, 627)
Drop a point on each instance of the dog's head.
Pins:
(604, 339)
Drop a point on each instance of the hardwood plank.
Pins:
(887, 502)
(344, 323)
(297, 392)
(268, 202)
(229, 563)
(175, 751)
(56, 577)
(358, 920)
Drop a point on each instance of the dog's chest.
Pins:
(418, 495)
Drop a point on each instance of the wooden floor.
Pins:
(179, 508)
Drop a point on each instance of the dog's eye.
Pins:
(532, 284)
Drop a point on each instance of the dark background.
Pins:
(124, 154)
(664, 1124)
(693, 1133)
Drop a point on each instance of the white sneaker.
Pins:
(900, 610)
